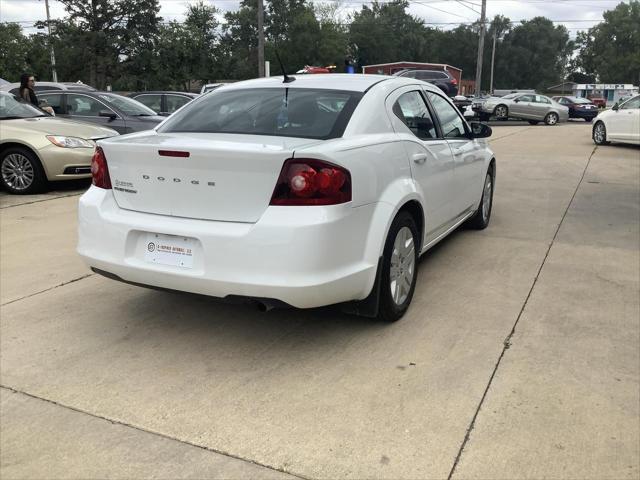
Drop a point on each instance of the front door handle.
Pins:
(457, 152)
(419, 158)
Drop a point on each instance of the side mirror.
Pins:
(516, 100)
(615, 106)
(107, 113)
(480, 130)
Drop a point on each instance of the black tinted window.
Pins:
(450, 121)
(286, 112)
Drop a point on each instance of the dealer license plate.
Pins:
(169, 250)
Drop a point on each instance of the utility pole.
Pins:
(260, 38)
(53, 56)
(493, 59)
(481, 47)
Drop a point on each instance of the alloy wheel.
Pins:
(487, 199)
(501, 112)
(599, 133)
(17, 171)
(552, 119)
(402, 269)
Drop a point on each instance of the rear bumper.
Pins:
(303, 256)
(584, 113)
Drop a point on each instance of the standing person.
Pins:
(27, 82)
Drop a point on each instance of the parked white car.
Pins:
(620, 124)
(322, 190)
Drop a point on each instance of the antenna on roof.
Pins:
(287, 78)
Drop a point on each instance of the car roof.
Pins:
(324, 81)
(166, 92)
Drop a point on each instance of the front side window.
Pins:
(84, 106)
(127, 105)
(629, 104)
(174, 102)
(285, 112)
(450, 121)
(412, 110)
(151, 101)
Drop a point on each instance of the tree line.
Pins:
(127, 44)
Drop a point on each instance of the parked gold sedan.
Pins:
(36, 148)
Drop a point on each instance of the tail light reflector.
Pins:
(306, 181)
(100, 170)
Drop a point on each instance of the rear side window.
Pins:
(286, 112)
(174, 102)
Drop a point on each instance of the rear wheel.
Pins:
(481, 218)
(399, 268)
(551, 118)
(21, 172)
(600, 134)
(501, 112)
(534, 122)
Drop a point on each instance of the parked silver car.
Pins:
(524, 106)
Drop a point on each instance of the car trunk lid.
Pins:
(225, 177)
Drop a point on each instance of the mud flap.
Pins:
(369, 306)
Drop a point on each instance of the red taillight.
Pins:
(454, 81)
(173, 153)
(305, 181)
(100, 170)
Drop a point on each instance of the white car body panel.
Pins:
(623, 124)
(306, 256)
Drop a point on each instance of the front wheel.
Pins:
(21, 172)
(501, 112)
(600, 134)
(551, 118)
(481, 218)
(399, 268)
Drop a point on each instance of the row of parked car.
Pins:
(36, 147)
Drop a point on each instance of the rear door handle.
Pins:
(419, 158)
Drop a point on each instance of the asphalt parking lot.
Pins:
(519, 358)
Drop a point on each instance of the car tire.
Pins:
(21, 172)
(482, 217)
(551, 118)
(501, 112)
(399, 268)
(599, 134)
(534, 122)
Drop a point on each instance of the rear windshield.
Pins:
(286, 112)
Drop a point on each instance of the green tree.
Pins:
(533, 55)
(201, 26)
(111, 32)
(13, 53)
(238, 48)
(611, 49)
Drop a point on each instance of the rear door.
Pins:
(542, 106)
(523, 107)
(151, 100)
(428, 153)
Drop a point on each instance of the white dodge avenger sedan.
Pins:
(307, 191)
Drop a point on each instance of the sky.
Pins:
(574, 14)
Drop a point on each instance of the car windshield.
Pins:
(127, 105)
(284, 112)
(12, 107)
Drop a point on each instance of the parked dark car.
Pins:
(440, 78)
(123, 114)
(579, 107)
(163, 103)
(598, 101)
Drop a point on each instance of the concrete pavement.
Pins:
(227, 392)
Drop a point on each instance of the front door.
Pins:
(429, 156)
(522, 106)
(468, 164)
(625, 122)
(87, 109)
